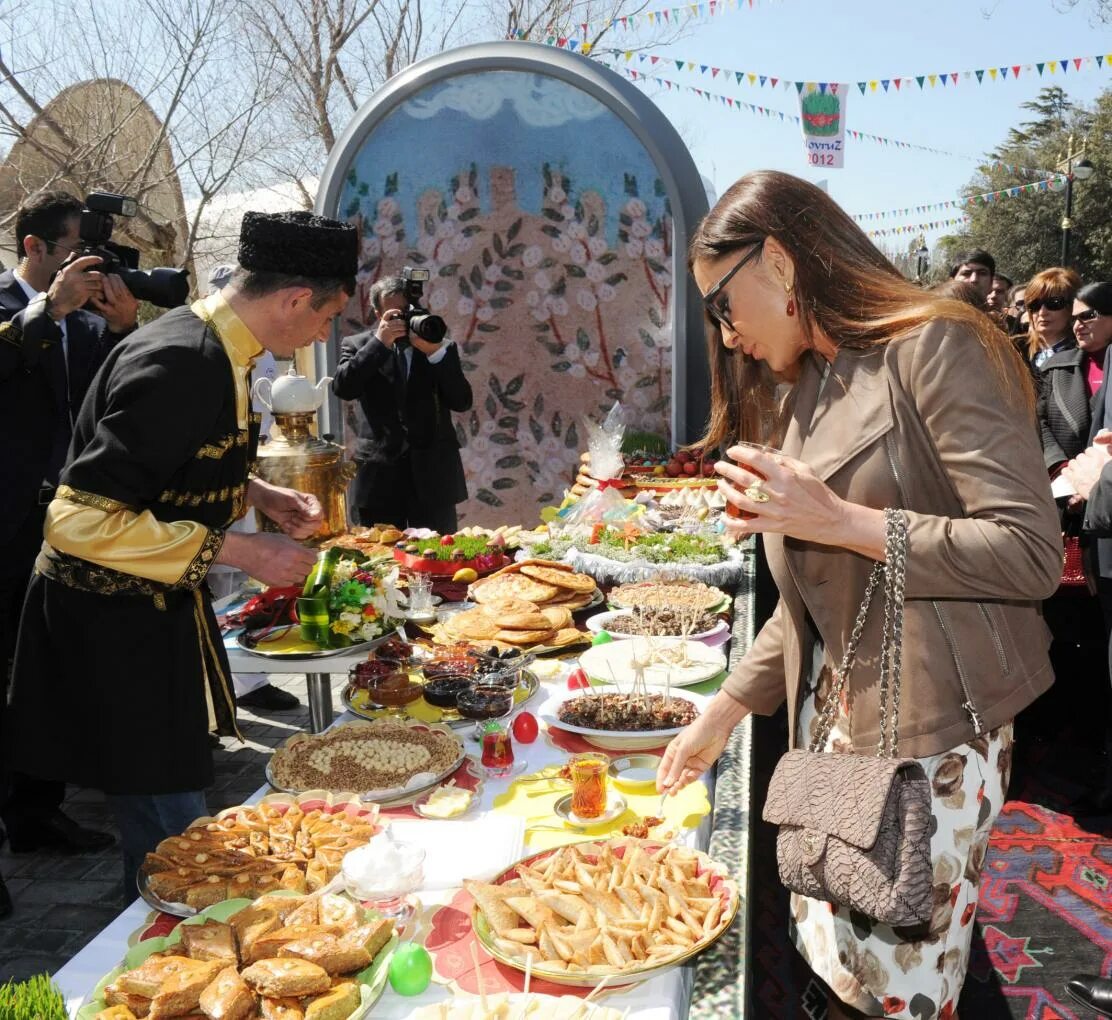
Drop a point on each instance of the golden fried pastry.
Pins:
(308, 912)
(524, 637)
(558, 617)
(572, 600)
(518, 586)
(550, 574)
(227, 997)
(566, 636)
(171, 885)
(268, 945)
(339, 910)
(333, 954)
(337, 1004)
(212, 940)
(523, 621)
(507, 607)
(372, 936)
(148, 977)
(250, 924)
(180, 993)
(287, 978)
(281, 1009)
(116, 1013)
(140, 1005)
(213, 889)
(473, 625)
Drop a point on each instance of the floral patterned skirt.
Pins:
(913, 973)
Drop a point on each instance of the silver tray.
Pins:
(391, 793)
(323, 653)
(148, 897)
(451, 717)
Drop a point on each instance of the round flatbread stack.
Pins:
(525, 605)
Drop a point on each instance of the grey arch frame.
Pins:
(682, 182)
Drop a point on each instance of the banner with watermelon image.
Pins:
(822, 112)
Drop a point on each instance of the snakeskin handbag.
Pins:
(855, 829)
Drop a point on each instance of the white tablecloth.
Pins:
(663, 996)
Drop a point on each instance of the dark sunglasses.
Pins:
(1052, 304)
(720, 311)
(1087, 316)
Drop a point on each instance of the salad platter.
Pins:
(619, 722)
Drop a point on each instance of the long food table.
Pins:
(714, 984)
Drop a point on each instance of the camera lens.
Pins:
(429, 327)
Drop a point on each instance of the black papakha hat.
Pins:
(298, 244)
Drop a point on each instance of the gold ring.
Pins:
(756, 493)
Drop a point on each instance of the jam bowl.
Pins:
(485, 701)
(444, 690)
(394, 690)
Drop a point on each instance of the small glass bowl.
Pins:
(391, 899)
(394, 690)
(487, 665)
(485, 701)
(363, 674)
(443, 691)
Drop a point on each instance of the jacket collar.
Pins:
(1068, 357)
(829, 428)
(12, 296)
(239, 342)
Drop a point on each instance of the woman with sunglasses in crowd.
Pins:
(1048, 301)
(906, 400)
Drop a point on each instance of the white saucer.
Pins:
(615, 808)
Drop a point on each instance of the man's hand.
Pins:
(1085, 469)
(74, 286)
(118, 306)
(298, 514)
(391, 327)
(277, 561)
(424, 346)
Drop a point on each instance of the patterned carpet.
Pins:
(1045, 909)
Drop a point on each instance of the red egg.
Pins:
(577, 680)
(525, 728)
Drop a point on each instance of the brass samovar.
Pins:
(293, 457)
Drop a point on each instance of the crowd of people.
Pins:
(956, 436)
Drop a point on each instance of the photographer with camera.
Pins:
(50, 349)
(407, 379)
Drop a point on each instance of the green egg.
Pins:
(602, 638)
(410, 969)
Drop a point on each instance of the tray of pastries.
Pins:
(384, 759)
(527, 605)
(625, 908)
(283, 842)
(313, 957)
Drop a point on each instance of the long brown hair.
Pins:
(843, 286)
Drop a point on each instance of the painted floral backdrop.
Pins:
(558, 310)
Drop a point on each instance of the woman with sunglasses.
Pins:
(1049, 305)
(901, 399)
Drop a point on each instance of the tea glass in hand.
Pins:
(731, 509)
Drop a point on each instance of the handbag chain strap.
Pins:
(894, 572)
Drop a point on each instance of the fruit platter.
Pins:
(682, 469)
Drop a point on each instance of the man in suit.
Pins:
(410, 471)
(50, 349)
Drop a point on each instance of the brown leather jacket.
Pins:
(919, 424)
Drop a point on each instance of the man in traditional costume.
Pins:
(120, 671)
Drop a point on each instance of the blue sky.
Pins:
(854, 40)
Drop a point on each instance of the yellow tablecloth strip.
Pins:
(535, 801)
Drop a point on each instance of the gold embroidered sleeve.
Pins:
(110, 534)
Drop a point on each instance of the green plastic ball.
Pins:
(410, 969)
(602, 638)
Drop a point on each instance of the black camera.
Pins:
(420, 321)
(164, 287)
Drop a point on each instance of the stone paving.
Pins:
(62, 902)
